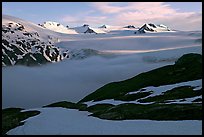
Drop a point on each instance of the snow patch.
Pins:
(61, 121)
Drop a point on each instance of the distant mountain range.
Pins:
(87, 29)
(103, 29)
(26, 43)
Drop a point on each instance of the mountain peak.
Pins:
(130, 27)
(85, 25)
(104, 26)
(57, 27)
(151, 27)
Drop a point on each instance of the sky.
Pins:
(175, 15)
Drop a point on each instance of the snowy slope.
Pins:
(130, 29)
(104, 26)
(155, 91)
(55, 26)
(87, 29)
(61, 121)
(104, 29)
(30, 27)
(27, 44)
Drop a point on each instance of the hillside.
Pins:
(24, 43)
(172, 92)
(181, 71)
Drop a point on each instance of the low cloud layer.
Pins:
(68, 80)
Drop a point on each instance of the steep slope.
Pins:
(28, 44)
(152, 28)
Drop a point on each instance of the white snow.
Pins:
(98, 30)
(111, 101)
(115, 29)
(184, 101)
(55, 26)
(20, 56)
(160, 89)
(156, 91)
(33, 57)
(31, 27)
(155, 28)
(7, 47)
(84, 28)
(61, 121)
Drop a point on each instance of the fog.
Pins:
(71, 80)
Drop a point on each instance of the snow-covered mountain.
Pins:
(130, 27)
(104, 26)
(55, 26)
(152, 28)
(28, 44)
(87, 29)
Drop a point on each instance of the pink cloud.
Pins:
(147, 7)
(152, 7)
(106, 7)
(138, 13)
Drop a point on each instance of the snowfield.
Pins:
(61, 121)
